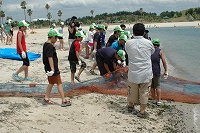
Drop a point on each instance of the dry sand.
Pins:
(90, 113)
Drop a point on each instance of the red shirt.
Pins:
(77, 45)
(23, 42)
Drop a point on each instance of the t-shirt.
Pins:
(50, 51)
(111, 39)
(107, 54)
(98, 39)
(72, 52)
(116, 45)
(60, 30)
(89, 36)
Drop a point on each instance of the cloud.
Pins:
(82, 7)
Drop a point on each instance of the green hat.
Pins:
(91, 26)
(127, 33)
(121, 54)
(80, 33)
(156, 41)
(53, 32)
(117, 28)
(23, 24)
(123, 37)
(101, 26)
(94, 24)
(54, 25)
(61, 23)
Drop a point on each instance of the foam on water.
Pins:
(196, 119)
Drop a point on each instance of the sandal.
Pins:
(130, 108)
(77, 78)
(66, 103)
(142, 115)
(48, 101)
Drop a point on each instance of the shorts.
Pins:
(155, 82)
(90, 44)
(26, 61)
(138, 93)
(55, 79)
(73, 65)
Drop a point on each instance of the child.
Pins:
(74, 57)
(21, 50)
(60, 30)
(50, 61)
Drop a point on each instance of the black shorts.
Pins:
(26, 61)
(73, 65)
(60, 37)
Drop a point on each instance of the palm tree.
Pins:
(30, 12)
(59, 14)
(47, 6)
(49, 16)
(23, 6)
(141, 11)
(0, 8)
(2, 15)
(92, 12)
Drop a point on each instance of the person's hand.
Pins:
(124, 63)
(119, 62)
(79, 62)
(94, 51)
(165, 75)
(23, 55)
(50, 73)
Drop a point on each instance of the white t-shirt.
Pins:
(90, 35)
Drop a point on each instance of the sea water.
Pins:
(181, 46)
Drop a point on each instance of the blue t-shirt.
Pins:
(7, 28)
(116, 46)
(103, 39)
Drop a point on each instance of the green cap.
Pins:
(61, 23)
(101, 26)
(94, 24)
(117, 28)
(127, 33)
(53, 32)
(54, 25)
(80, 33)
(121, 54)
(23, 24)
(123, 37)
(91, 26)
(156, 41)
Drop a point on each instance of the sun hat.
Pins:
(123, 37)
(156, 41)
(80, 33)
(79, 28)
(53, 32)
(23, 24)
(101, 26)
(121, 54)
(117, 28)
(61, 23)
(94, 25)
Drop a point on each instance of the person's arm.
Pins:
(19, 41)
(51, 63)
(71, 29)
(107, 68)
(163, 60)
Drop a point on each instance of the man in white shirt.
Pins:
(139, 51)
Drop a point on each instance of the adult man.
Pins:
(139, 52)
(106, 59)
(72, 28)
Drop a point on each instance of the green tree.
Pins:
(47, 6)
(29, 12)
(2, 15)
(49, 16)
(23, 6)
(59, 14)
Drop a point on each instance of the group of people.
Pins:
(141, 55)
(6, 33)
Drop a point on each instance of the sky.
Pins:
(82, 8)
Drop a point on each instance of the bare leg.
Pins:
(72, 78)
(26, 72)
(94, 66)
(79, 73)
(142, 108)
(61, 92)
(48, 91)
(22, 68)
(158, 91)
(153, 93)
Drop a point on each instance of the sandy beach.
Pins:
(89, 113)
